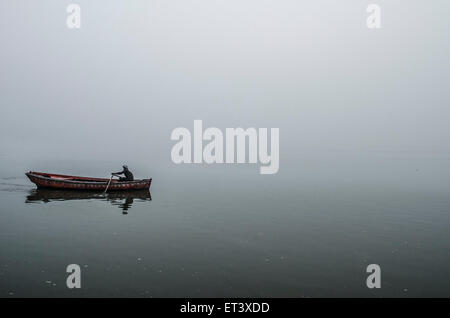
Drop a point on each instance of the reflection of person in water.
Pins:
(126, 205)
(122, 200)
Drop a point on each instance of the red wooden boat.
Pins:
(61, 181)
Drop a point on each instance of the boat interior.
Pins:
(71, 178)
(74, 178)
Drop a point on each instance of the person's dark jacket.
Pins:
(128, 175)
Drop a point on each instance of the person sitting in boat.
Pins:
(128, 175)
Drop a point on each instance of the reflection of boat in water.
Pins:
(122, 199)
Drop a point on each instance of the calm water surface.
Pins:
(228, 231)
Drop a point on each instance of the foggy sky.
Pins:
(138, 69)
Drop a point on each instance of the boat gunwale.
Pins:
(88, 181)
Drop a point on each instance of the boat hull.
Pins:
(59, 181)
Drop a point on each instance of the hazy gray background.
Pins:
(363, 117)
(138, 69)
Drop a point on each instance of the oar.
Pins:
(109, 182)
